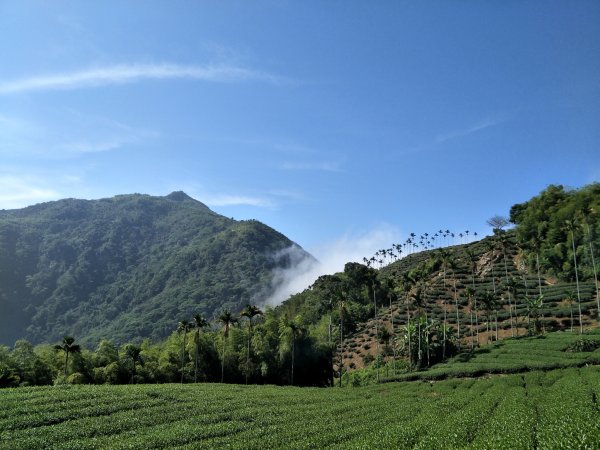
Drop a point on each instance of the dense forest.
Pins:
(126, 268)
(412, 311)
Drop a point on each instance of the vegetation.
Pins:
(554, 409)
(128, 268)
(410, 314)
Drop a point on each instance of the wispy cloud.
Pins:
(312, 166)
(74, 134)
(129, 73)
(463, 132)
(454, 134)
(237, 200)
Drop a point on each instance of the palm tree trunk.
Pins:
(537, 263)
(496, 325)
(248, 350)
(341, 346)
(512, 330)
(445, 317)
(472, 337)
(223, 361)
(595, 273)
(66, 362)
(196, 358)
(577, 283)
(293, 352)
(376, 332)
(393, 346)
(183, 356)
(409, 338)
(457, 313)
(475, 300)
(571, 317)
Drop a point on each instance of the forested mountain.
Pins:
(128, 267)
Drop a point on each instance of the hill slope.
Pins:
(127, 267)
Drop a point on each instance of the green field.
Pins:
(553, 409)
(550, 351)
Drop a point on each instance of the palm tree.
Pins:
(587, 214)
(512, 286)
(227, 320)
(473, 260)
(68, 346)
(486, 300)
(133, 352)
(570, 297)
(290, 330)
(405, 287)
(184, 327)
(570, 226)
(445, 257)
(249, 312)
(470, 294)
(452, 264)
(376, 328)
(490, 246)
(199, 323)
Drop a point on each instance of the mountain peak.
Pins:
(178, 196)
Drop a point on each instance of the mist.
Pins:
(330, 258)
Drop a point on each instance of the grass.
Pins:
(538, 409)
(515, 355)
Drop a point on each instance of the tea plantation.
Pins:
(537, 409)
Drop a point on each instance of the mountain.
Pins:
(129, 267)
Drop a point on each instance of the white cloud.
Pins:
(331, 258)
(129, 73)
(237, 200)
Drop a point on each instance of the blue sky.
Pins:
(334, 122)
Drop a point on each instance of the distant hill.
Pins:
(128, 267)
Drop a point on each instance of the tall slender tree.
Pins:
(184, 327)
(134, 353)
(199, 323)
(512, 290)
(588, 214)
(472, 257)
(68, 346)
(570, 226)
(227, 320)
(289, 331)
(249, 312)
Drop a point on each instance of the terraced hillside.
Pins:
(451, 292)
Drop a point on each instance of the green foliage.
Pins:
(542, 229)
(126, 268)
(555, 409)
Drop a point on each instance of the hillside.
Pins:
(437, 300)
(127, 268)
(449, 298)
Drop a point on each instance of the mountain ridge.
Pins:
(128, 267)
